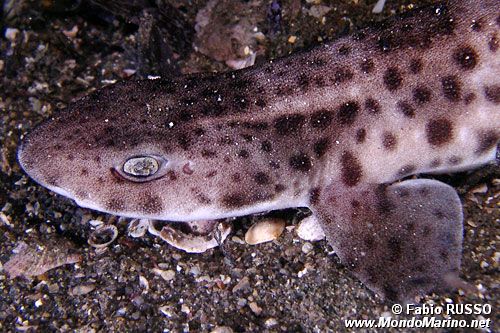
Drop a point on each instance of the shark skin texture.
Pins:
(336, 129)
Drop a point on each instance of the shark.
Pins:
(341, 129)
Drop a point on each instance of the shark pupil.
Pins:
(144, 166)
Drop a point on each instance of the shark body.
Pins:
(333, 129)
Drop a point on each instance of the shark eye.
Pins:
(141, 168)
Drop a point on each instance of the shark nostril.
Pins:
(143, 166)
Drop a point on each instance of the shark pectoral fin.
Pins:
(400, 240)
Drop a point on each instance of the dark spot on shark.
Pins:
(185, 116)
(406, 109)
(451, 88)
(492, 93)
(435, 163)
(241, 83)
(421, 95)
(236, 177)
(342, 75)
(416, 66)
(493, 44)
(487, 140)
(314, 195)
(203, 199)
(115, 205)
(320, 81)
(151, 204)
(261, 178)
(406, 170)
(279, 188)
(226, 140)
(394, 245)
(257, 126)
(212, 110)
(243, 153)
(393, 79)
(234, 200)
(454, 160)
(372, 106)
(360, 135)
(344, 50)
(300, 162)
(351, 170)
(303, 82)
(260, 102)
(389, 141)
(384, 205)
(317, 62)
(241, 103)
(199, 132)
(443, 254)
(206, 153)
(469, 98)
(438, 214)
(367, 66)
(390, 292)
(184, 141)
(247, 137)
(211, 174)
(439, 131)
(321, 147)
(465, 57)
(288, 125)
(84, 172)
(347, 112)
(321, 119)
(266, 146)
(476, 25)
(274, 164)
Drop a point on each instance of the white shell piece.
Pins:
(192, 243)
(103, 236)
(265, 230)
(138, 227)
(309, 229)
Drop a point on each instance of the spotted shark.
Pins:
(338, 129)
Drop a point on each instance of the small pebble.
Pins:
(143, 283)
(244, 283)
(167, 275)
(255, 308)
(480, 189)
(72, 32)
(270, 322)
(222, 329)
(83, 289)
(265, 230)
(307, 247)
(309, 229)
(11, 34)
(167, 310)
(185, 309)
